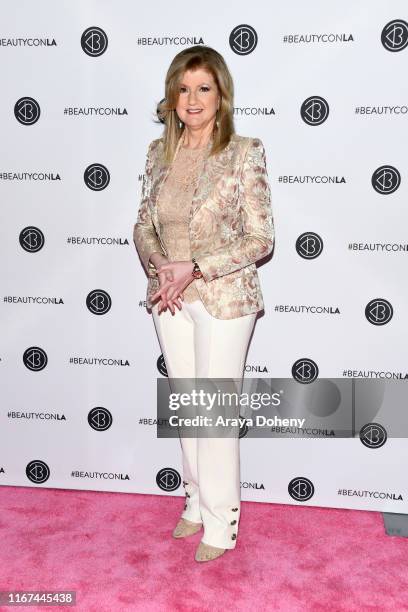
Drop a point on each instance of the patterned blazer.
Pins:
(231, 225)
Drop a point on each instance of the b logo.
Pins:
(386, 179)
(305, 371)
(37, 472)
(394, 36)
(243, 428)
(96, 177)
(168, 479)
(94, 41)
(379, 311)
(27, 111)
(160, 116)
(161, 366)
(309, 245)
(98, 302)
(373, 435)
(100, 419)
(243, 39)
(35, 358)
(301, 489)
(314, 110)
(31, 239)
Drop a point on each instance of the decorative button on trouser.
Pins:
(197, 345)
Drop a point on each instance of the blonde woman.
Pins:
(205, 218)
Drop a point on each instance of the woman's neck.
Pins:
(200, 143)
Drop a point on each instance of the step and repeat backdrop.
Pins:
(324, 88)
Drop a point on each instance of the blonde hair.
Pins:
(198, 56)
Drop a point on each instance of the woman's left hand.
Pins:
(182, 276)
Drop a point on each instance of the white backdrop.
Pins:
(325, 90)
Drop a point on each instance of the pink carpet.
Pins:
(117, 552)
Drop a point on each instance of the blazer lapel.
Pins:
(161, 171)
(214, 168)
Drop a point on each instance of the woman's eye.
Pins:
(203, 88)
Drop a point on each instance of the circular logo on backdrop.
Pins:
(96, 177)
(37, 471)
(373, 435)
(301, 489)
(243, 428)
(27, 111)
(394, 36)
(94, 41)
(98, 302)
(305, 370)
(314, 110)
(161, 365)
(35, 358)
(309, 245)
(168, 479)
(243, 39)
(379, 311)
(386, 179)
(100, 419)
(31, 239)
(160, 116)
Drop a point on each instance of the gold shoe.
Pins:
(206, 552)
(186, 528)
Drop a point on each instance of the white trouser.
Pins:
(197, 345)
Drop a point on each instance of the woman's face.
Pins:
(198, 91)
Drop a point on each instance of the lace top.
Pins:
(174, 206)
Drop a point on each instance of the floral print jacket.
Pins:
(231, 225)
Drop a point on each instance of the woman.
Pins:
(205, 218)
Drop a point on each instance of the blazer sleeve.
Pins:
(144, 233)
(258, 235)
